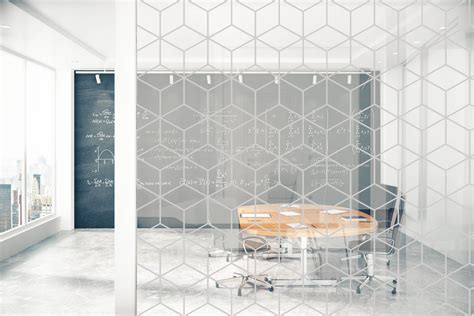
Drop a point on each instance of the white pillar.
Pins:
(125, 159)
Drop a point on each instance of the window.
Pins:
(39, 140)
(26, 141)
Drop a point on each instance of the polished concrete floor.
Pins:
(72, 274)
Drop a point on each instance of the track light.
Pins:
(97, 79)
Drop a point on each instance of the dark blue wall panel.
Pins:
(94, 151)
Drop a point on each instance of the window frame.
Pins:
(25, 223)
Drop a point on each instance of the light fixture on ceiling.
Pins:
(416, 42)
(208, 79)
(5, 27)
(395, 53)
(97, 79)
(315, 79)
(276, 79)
(349, 79)
(171, 79)
(442, 28)
(241, 80)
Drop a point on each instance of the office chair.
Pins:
(389, 219)
(253, 246)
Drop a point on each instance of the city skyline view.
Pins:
(38, 198)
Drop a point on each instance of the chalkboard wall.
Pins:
(94, 151)
(208, 143)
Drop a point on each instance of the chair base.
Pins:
(260, 281)
(382, 279)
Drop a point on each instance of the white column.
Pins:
(125, 159)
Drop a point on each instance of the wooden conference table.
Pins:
(272, 220)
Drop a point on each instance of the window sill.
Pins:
(22, 229)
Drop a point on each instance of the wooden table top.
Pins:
(317, 222)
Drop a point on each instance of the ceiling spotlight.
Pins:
(395, 53)
(208, 78)
(416, 42)
(5, 27)
(97, 79)
(276, 79)
(442, 27)
(315, 79)
(349, 79)
(241, 80)
(171, 79)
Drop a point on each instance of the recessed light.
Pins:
(416, 42)
(5, 27)
(442, 27)
(395, 53)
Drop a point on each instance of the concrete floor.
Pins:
(73, 274)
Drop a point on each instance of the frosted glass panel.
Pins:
(303, 157)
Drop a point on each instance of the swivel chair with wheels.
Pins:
(388, 218)
(253, 246)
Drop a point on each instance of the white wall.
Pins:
(64, 148)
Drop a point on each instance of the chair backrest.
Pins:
(391, 213)
(397, 213)
(388, 203)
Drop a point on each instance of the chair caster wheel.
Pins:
(271, 289)
(394, 291)
(394, 282)
(358, 291)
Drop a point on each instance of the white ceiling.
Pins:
(90, 24)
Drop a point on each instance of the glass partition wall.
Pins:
(304, 157)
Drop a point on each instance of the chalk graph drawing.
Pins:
(104, 157)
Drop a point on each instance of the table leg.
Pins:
(304, 256)
(370, 264)
(305, 280)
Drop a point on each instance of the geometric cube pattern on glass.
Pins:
(354, 104)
